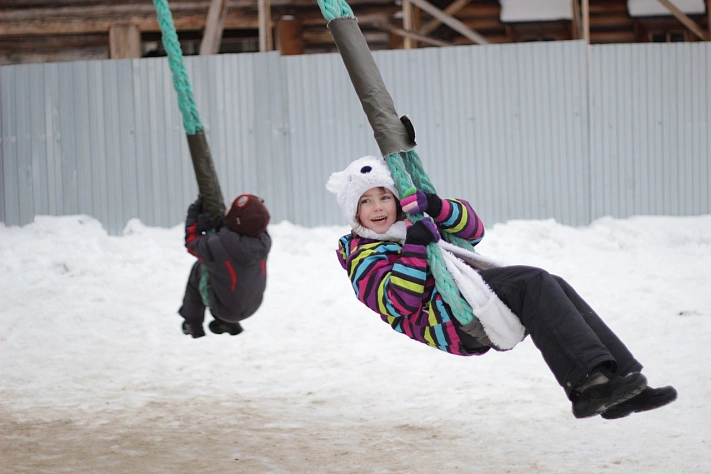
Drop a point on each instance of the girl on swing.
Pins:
(385, 257)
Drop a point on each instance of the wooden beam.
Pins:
(71, 21)
(212, 37)
(413, 34)
(453, 23)
(124, 42)
(685, 20)
(265, 25)
(321, 36)
(451, 10)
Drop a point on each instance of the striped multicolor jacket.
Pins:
(394, 280)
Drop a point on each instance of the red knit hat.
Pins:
(248, 215)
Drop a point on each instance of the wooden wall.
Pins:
(34, 31)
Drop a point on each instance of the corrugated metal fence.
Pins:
(524, 131)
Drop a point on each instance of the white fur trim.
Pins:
(501, 325)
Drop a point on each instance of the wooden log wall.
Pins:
(62, 30)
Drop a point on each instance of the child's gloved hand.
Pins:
(195, 208)
(415, 201)
(205, 222)
(422, 232)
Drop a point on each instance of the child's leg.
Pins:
(193, 309)
(569, 346)
(626, 362)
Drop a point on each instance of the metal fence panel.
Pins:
(525, 131)
(650, 129)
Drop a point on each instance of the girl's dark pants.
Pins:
(570, 335)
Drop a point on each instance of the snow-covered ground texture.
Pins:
(96, 376)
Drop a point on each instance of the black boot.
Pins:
(218, 327)
(649, 399)
(603, 389)
(194, 330)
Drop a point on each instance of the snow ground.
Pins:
(95, 375)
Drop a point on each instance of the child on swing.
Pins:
(230, 274)
(385, 258)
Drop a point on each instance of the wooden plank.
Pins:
(66, 22)
(415, 35)
(213, 28)
(453, 23)
(685, 20)
(451, 10)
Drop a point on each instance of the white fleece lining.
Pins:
(501, 325)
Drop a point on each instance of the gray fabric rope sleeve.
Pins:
(206, 176)
(390, 133)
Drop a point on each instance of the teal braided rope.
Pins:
(443, 279)
(205, 280)
(186, 101)
(421, 181)
(333, 9)
(204, 285)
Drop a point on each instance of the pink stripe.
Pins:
(446, 209)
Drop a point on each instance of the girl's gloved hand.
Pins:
(415, 201)
(422, 232)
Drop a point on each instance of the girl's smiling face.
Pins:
(377, 210)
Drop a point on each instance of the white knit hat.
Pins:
(349, 185)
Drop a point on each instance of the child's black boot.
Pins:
(649, 399)
(193, 329)
(218, 327)
(602, 389)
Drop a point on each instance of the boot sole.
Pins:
(621, 394)
(616, 412)
(218, 329)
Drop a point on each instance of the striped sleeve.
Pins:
(386, 282)
(457, 217)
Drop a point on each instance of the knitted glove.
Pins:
(415, 201)
(422, 232)
(195, 208)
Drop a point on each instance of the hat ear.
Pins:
(337, 181)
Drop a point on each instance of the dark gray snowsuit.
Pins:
(237, 273)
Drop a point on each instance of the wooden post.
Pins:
(586, 21)
(212, 36)
(407, 43)
(265, 25)
(124, 42)
(289, 41)
(576, 20)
